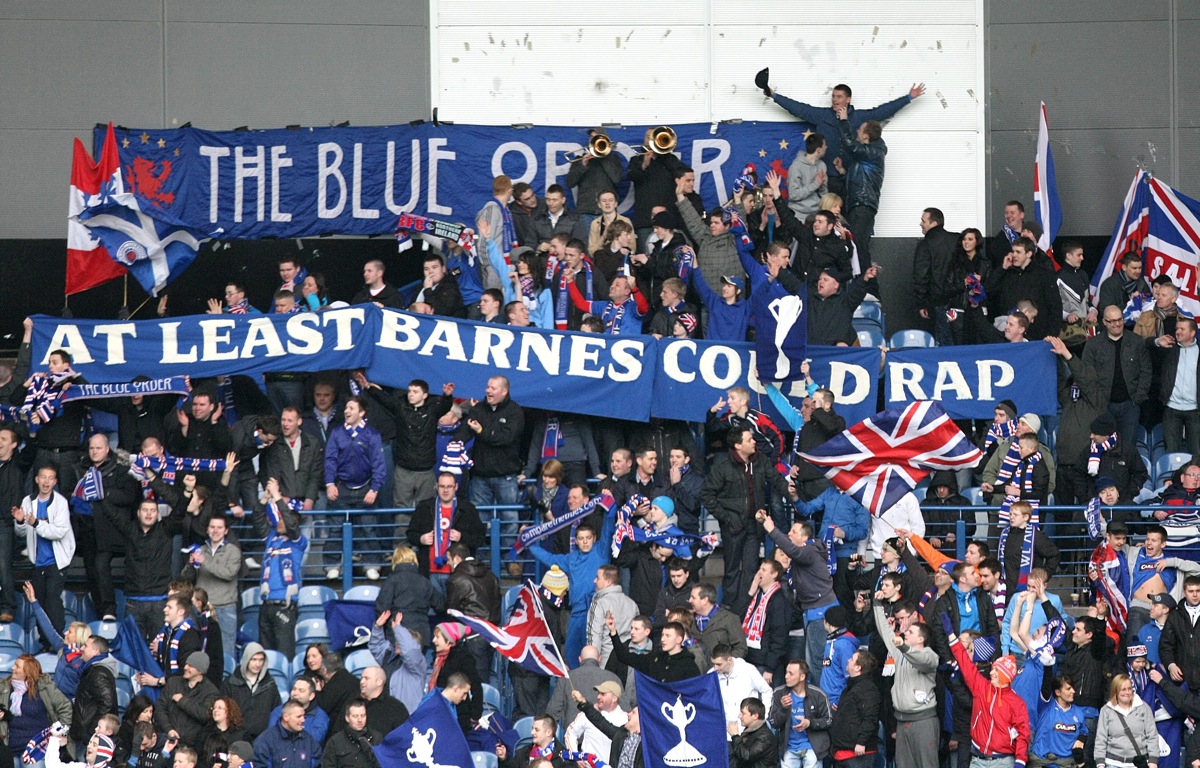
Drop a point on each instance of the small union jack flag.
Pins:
(526, 638)
(880, 459)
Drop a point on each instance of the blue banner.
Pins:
(968, 381)
(683, 723)
(200, 346)
(349, 622)
(624, 377)
(357, 181)
(430, 738)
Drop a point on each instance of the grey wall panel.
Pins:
(223, 75)
(1094, 169)
(67, 74)
(1188, 94)
(381, 12)
(1189, 162)
(95, 10)
(35, 181)
(1071, 11)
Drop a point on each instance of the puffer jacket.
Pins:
(257, 701)
(996, 713)
(474, 590)
(351, 749)
(864, 174)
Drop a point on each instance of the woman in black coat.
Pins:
(410, 593)
(451, 656)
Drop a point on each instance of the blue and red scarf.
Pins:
(172, 638)
(998, 432)
(562, 304)
(1026, 556)
(443, 521)
(552, 440)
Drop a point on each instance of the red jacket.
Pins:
(995, 713)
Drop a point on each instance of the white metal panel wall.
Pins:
(694, 61)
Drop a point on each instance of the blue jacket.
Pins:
(838, 651)
(864, 175)
(726, 322)
(580, 568)
(281, 556)
(355, 461)
(277, 748)
(316, 721)
(843, 511)
(826, 123)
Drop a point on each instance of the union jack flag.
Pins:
(1108, 571)
(526, 638)
(880, 459)
(1164, 226)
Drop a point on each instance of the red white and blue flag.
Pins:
(1164, 227)
(526, 638)
(1109, 573)
(1047, 209)
(879, 460)
(110, 232)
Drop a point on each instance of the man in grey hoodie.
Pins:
(807, 177)
(913, 700)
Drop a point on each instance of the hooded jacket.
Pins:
(996, 713)
(916, 675)
(256, 699)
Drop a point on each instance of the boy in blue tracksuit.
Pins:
(281, 575)
(1060, 733)
(728, 312)
(580, 567)
(840, 645)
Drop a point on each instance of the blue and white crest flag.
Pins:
(430, 738)
(683, 723)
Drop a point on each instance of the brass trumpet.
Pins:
(598, 146)
(662, 142)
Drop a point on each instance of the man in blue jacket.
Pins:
(287, 744)
(354, 474)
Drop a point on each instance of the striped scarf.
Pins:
(1094, 516)
(1020, 474)
(547, 752)
(510, 231)
(174, 666)
(35, 750)
(241, 308)
(614, 315)
(591, 760)
(1026, 555)
(552, 440)
(275, 515)
(830, 555)
(443, 519)
(1096, 452)
(998, 432)
(562, 305)
(976, 295)
(756, 615)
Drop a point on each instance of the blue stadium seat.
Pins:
(359, 660)
(251, 601)
(123, 698)
(7, 658)
(485, 760)
(106, 629)
(230, 664)
(281, 667)
(491, 698)
(311, 631)
(870, 310)
(912, 338)
(1166, 464)
(250, 630)
(524, 729)
(364, 592)
(49, 662)
(313, 599)
(12, 639)
(870, 338)
(974, 495)
(510, 599)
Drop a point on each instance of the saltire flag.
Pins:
(879, 460)
(130, 648)
(430, 738)
(147, 240)
(1109, 573)
(683, 723)
(349, 622)
(526, 638)
(88, 262)
(1129, 232)
(1047, 210)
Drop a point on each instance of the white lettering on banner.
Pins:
(493, 343)
(356, 206)
(546, 350)
(399, 331)
(702, 166)
(326, 170)
(303, 328)
(708, 367)
(389, 191)
(905, 376)
(249, 166)
(436, 154)
(170, 341)
(115, 354)
(839, 372)
(344, 320)
(261, 333)
(628, 354)
(218, 332)
(950, 377)
(986, 383)
(671, 362)
(445, 335)
(521, 148)
(554, 168)
(214, 155)
(278, 161)
(68, 337)
(583, 351)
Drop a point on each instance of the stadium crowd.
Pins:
(836, 635)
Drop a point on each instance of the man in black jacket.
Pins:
(250, 438)
(296, 461)
(148, 553)
(97, 692)
(12, 490)
(498, 423)
(672, 663)
(439, 289)
(354, 745)
(1021, 278)
(831, 307)
(653, 178)
(415, 448)
(375, 290)
(821, 246)
(933, 274)
(1119, 288)
(432, 540)
(736, 489)
(1122, 361)
(96, 540)
(755, 746)
(852, 742)
(1179, 645)
(201, 433)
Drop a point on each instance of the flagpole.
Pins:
(123, 313)
(542, 609)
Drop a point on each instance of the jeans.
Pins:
(805, 759)
(48, 586)
(487, 491)
(1127, 415)
(277, 627)
(992, 762)
(147, 613)
(814, 635)
(227, 617)
(369, 538)
(1177, 425)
